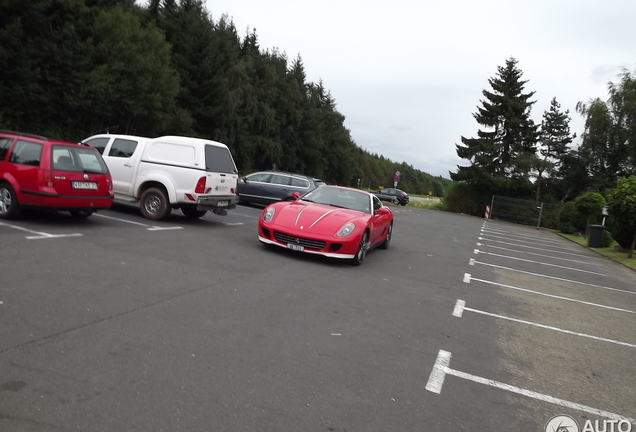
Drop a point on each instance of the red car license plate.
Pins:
(84, 185)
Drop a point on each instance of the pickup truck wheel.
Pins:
(154, 204)
(192, 212)
(9, 207)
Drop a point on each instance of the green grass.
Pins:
(431, 205)
(609, 252)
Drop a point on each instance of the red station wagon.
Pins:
(37, 172)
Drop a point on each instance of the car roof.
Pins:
(346, 188)
(287, 173)
(36, 137)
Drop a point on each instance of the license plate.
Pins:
(223, 203)
(84, 185)
(295, 247)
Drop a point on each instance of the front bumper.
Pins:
(217, 202)
(325, 245)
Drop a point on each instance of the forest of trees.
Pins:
(73, 68)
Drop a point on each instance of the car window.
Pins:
(280, 179)
(98, 144)
(376, 203)
(122, 148)
(219, 159)
(26, 153)
(77, 159)
(259, 177)
(298, 182)
(5, 143)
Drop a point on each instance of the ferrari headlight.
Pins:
(346, 230)
(269, 214)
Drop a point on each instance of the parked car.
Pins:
(267, 187)
(170, 172)
(396, 196)
(38, 172)
(332, 221)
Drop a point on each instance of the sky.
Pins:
(408, 75)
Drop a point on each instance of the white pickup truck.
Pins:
(169, 172)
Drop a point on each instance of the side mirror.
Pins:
(382, 211)
(295, 195)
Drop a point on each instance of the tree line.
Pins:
(514, 157)
(73, 68)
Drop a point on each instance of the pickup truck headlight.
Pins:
(269, 214)
(346, 230)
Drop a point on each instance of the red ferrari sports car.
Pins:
(333, 221)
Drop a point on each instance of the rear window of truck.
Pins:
(219, 159)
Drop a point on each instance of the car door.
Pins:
(24, 166)
(379, 222)
(123, 155)
(252, 188)
(278, 188)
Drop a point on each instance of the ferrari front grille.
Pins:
(304, 242)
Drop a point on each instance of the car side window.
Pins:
(122, 148)
(263, 178)
(98, 144)
(5, 143)
(280, 179)
(377, 204)
(26, 153)
(298, 182)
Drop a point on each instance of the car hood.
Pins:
(316, 218)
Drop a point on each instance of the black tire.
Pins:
(81, 214)
(192, 212)
(361, 252)
(395, 201)
(154, 204)
(403, 203)
(387, 239)
(9, 206)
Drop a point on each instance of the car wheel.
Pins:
(9, 207)
(387, 238)
(363, 246)
(403, 203)
(154, 204)
(192, 212)
(81, 214)
(395, 201)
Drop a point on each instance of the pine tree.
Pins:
(503, 155)
(554, 139)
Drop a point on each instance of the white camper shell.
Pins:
(169, 172)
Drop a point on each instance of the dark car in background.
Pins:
(396, 196)
(266, 187)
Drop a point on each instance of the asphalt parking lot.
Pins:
(117, 323)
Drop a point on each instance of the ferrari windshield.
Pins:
(340, 197)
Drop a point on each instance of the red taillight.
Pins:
(200, 186)
(109, 182)
(45, 179)
(232, 190)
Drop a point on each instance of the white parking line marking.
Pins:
(474, 261)
(39, 235)
(244, 215)
(460, 307)
(148, 227)
(477, 251)
(468, 278)
(531, 247)
(525, 236)
(233, 223)
(526, 241)
(534, 253)
(441, 369)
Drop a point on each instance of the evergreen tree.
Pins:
(503, 154)
(554, 139)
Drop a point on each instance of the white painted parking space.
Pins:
(477, 251)
(535, 254)
(38, 235)
(473, 262)
(491, 237)
(468, 279)
(148, 227)
(543, 239)
(532, 247)
(460, 307)
(441, 368)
